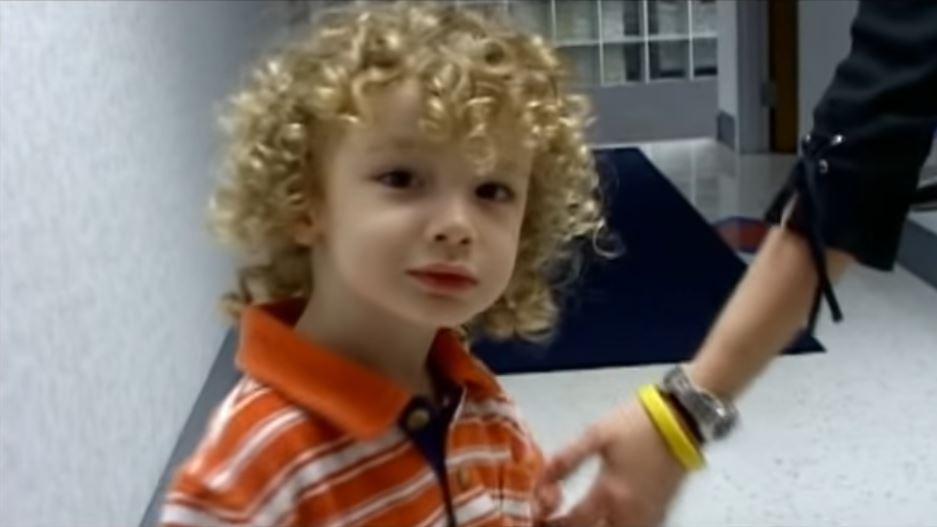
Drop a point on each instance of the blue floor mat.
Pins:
(654, 303)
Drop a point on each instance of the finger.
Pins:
(549, 497)
(561, 464)
(589, 511)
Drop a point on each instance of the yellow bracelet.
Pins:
(667, 423)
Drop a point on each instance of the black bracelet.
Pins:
(685, 415)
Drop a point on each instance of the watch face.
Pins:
(715, 418)
(725, 423)
(720, 429)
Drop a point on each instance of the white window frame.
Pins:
(599, 42)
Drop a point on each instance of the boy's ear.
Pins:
(307, 231)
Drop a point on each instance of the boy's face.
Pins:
(408, 226)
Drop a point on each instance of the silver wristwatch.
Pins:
(714, 418)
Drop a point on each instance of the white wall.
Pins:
(727, 15)
(823, 41)
(742, 56)
(108, 280)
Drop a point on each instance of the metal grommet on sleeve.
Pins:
(464, 478)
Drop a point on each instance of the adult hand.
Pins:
(638, 477)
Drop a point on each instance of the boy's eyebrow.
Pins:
(509, 166)
(504, 164)
(396, 143)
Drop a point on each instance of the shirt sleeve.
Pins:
(873, 128)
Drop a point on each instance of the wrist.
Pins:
(713, 377)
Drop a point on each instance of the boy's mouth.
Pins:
(444, 278)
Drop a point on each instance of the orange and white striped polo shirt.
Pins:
(310, 438)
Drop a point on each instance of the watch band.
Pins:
(714, 418)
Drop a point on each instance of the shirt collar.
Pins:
(349, 395)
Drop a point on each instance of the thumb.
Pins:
(588, 511)
(569, 458)
(549, 496)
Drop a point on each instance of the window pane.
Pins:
(704, 16)
(576, 21)
(532, 16)
(621, 18)
(634, 18)
(623, 63)
(584, 63)
(704, 57)
(668, 17)
(668, 60)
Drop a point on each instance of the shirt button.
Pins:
(418, 419)
(464, 478)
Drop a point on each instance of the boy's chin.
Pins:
(441, 316)
(437, 321)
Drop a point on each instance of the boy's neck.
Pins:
(392, 348)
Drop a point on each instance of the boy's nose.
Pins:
(453, 238)
(453, 226)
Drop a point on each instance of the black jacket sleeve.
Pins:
(872, 131)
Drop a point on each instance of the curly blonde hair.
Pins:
(471, 68)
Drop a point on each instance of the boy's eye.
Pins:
(397, 179)
(495, 192)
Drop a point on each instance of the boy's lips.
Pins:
(445, 278)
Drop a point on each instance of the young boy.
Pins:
(403, 178)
